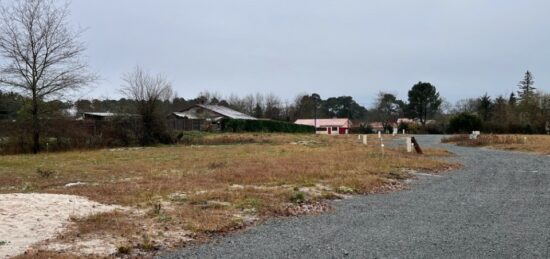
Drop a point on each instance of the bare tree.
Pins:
(42, 55)
(272, 106)
(209, 97)
(148, 91)
(249, 104)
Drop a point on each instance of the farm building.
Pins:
(104, 116)
(203, 117)
(336, 126)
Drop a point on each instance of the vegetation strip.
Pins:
(183, 193)
(539, 144)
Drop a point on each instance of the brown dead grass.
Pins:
(218, 182)
(539, 144)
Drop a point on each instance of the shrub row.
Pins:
(65, 134)
(466, 123)
(234, 125)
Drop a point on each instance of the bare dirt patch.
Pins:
(26, 219)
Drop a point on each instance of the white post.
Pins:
(359, 137)
(379, 134)
(364, 139)
(409, 145)
(395, 132)
(382, 145)
(403, 132)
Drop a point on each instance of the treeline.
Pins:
(267, 106)
(526, 111)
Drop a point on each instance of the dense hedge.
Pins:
(233, 125)
(464, 123)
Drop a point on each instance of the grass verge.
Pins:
(227, 182)
(539, 144)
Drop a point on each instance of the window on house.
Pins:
(334, 128)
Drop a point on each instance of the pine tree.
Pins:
(513, 100)
(526, 89)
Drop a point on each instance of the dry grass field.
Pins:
(222, 182)
(539, 144)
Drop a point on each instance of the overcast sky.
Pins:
(331, 47)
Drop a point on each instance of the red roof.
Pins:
(323, 123)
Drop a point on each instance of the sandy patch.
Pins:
(26, 219)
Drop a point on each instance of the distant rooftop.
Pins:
(221, 110)
(100, 114)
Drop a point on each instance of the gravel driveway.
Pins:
(497, 206)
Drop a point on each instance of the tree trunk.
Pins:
(35, 126)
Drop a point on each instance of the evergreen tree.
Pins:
(512, 101)
(485, 107)
(424, 101)
(526, 89)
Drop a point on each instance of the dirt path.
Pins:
(497, 206)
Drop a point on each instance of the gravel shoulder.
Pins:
(496, 206)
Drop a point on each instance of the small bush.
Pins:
(124, 250)
(44, 173)
(147, 245)
(298, 197)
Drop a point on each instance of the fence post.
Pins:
(364, 139)
(409, 145)
(416, 146)
(379, 134)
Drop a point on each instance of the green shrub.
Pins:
(298, 197)
(233, 125)
(464, 123)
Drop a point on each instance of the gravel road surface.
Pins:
(497, 206)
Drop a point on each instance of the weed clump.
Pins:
(45, 173)
(147, 245)
(298, 197)
(125, 250)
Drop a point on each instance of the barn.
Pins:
(335, 126)
(203, 117)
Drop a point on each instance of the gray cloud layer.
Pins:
(465, 48)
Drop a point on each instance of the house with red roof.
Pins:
(335, 126)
